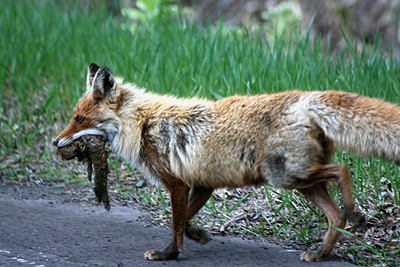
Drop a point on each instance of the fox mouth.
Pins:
(60, 143)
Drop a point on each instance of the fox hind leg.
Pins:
(318, 194)
(320, 197)
(344, 184)
(340, 174)
(198, 197)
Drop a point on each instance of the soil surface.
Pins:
(43, 226)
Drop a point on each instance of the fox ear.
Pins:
(92, 69)
(103, 84)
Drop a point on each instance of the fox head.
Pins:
(96, 111)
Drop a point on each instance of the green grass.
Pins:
(45, 50)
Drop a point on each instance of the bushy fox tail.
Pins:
(366, 126)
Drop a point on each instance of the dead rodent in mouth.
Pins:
(92, 150)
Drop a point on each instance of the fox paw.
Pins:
(310, 256)
(359, 222)
(160, 255)
(197, 234)
(357, 219)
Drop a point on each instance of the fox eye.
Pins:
(79, 120)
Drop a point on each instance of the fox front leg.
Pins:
(179, 193)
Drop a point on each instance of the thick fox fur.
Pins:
(284, 139)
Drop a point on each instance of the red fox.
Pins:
(193, 146)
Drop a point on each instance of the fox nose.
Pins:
(55, 141)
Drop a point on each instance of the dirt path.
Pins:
(38, 228)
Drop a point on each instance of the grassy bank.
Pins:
(45, 50)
